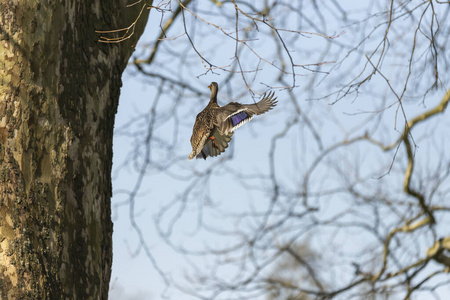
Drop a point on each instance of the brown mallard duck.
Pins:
(215, 125)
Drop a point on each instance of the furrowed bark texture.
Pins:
(58, 98)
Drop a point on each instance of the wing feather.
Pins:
(217, 145)
(233, 115)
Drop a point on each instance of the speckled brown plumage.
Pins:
(215, 125)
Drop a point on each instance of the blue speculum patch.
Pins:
(238, 118)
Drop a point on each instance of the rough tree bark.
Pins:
(58, 98)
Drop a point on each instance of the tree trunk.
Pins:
(58, 98)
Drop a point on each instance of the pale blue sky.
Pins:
(134, 275)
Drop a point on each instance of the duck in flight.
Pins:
(215, 124)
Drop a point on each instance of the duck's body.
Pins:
(215, 125)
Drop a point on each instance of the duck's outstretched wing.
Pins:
(215, 144)
(233, 115)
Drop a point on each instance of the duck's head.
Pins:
(214, 87)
